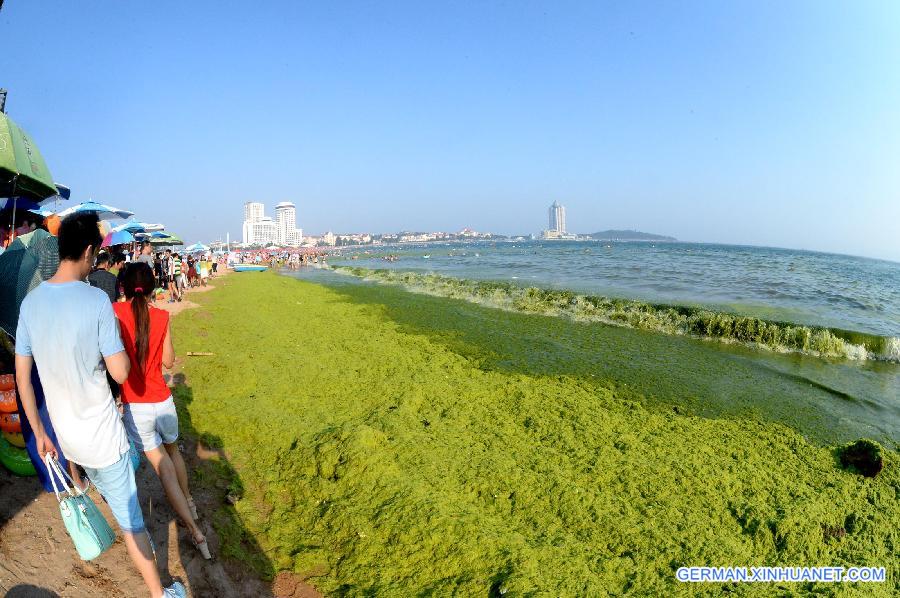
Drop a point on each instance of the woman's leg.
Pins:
(76, 477)
(180, 468)
(165, 469)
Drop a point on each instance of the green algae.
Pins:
(383, 462)
(669, 319)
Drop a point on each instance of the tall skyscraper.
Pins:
(557, 218)
(259, 229)
(286, 222)
(253, 212)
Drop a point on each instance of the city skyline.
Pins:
(259, 229)
(735, 123)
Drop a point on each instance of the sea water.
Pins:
(803, 287)
(829, 399)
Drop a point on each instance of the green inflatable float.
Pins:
(15, 459)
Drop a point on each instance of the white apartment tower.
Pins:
(264, 232)
(259, 229)
(557, 219)
(286, 222)
(253, 212)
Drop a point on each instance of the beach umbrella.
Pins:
(117, 237)
(102, 210)
(133, 226)
(42, 212)
(19, 203)
(196, 247)
(23, 172)
(62, 192)
(28, 261)
(168, 239)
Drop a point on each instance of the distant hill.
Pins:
(628, 235)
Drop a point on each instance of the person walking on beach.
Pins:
(158, 271)
(103, 279)
(150, 417)
(170, 276)
(176, 274)
(146, 254)
(69, 331)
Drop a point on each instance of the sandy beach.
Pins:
(37, 558)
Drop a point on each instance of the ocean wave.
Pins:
(670, 319)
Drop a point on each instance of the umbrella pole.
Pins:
(12, 224)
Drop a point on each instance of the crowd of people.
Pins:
(172, 272)
(291, 259)
(99, 350)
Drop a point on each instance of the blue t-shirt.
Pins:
(68, 328)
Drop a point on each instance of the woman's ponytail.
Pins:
(138, 282)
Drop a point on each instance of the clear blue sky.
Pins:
(772, 123)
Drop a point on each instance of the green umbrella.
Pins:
(169, 239)
(23, 172)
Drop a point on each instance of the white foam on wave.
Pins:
(891, 349)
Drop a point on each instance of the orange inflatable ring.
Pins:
(9, 422)
(14, 439)
(7, 382)
(8, 401)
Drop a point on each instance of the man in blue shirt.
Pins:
(69, 331)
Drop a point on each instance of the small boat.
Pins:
(249, 268)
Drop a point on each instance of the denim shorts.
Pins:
(151, 424)
(116, 483)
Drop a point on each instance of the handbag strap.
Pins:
(55, 469)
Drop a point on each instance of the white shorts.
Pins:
(151, 424)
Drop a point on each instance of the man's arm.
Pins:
(118, 366)
(29, 404)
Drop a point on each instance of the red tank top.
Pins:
(144, 385)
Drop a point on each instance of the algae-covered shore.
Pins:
(376, 457)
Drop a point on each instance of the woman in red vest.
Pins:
(150, 417)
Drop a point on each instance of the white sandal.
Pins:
(203, 547)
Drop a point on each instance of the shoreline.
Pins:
(698, 322)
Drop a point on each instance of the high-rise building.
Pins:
(286, 221)
(259, 229)
(557, 219)
(253, 212)
(264, 232)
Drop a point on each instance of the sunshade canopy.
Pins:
(133, 226)
(117, 237)
(23, 171)
(102, 210)
(169, 239)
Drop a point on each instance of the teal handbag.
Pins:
(84, 522)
